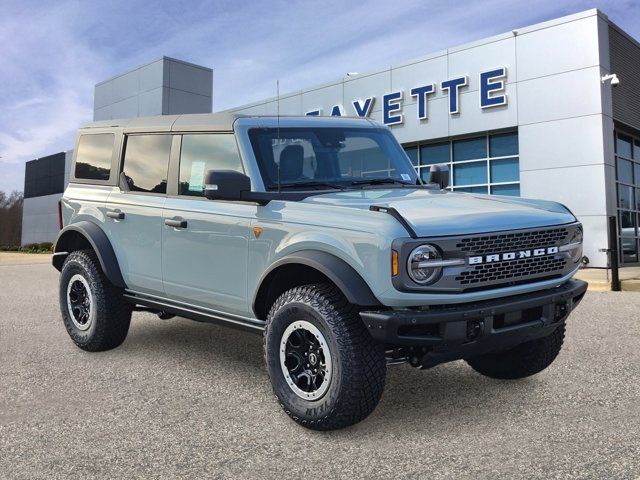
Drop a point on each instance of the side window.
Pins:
(146, 161)
(205, 152)
(93, 158)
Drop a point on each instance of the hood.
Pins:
(442, 213)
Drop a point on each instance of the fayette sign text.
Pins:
(491, 93)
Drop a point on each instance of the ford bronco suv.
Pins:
(318, 234)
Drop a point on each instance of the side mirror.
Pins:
(439, 174)
(226, 185)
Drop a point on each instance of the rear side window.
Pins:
(93, 159)
(146, 161)
(205, 152)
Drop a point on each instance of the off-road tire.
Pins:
(112, 314)
(359, 364)
(523, 360)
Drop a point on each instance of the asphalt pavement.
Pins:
(185, 399)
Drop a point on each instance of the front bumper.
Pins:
(451, 332)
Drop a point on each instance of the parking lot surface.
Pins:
(184, 399)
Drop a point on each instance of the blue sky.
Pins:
(53, 53)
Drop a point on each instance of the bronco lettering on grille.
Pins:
(500, 257)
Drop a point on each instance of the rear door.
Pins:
(134, 210)
(205, 242)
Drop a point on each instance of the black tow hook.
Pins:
(561, 311)
(474, 329)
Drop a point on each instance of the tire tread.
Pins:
(113, 314)
(365, 365)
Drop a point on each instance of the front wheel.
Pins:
(325, 368)
(523, 360)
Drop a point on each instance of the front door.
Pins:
(205, 242)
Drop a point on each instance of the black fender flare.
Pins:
(343, 275)
(100, 243)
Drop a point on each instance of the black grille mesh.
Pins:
(509, 270)
(508, 242)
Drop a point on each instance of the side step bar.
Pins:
(194, 312)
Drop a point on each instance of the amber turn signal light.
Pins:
(394, 263)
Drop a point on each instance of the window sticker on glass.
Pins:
(406, 177)
(196, 179)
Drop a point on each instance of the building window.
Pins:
(483, 164)
(627, 150)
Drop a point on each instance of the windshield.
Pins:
(330, 158)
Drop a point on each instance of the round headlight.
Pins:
(576, 251)
(418, 264)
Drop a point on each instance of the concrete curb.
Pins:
(599, 281)
(632, 285)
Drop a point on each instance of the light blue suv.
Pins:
(318, 234)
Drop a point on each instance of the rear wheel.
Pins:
(325, 368)
(523, 360)
(94, 313)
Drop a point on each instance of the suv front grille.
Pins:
(510, 270)
(507, 242)
(515, 271)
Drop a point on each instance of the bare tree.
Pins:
(11, 218)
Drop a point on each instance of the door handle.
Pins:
(176, 222)
(115, 214)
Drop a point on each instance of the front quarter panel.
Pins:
(363, 240)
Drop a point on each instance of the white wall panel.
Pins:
(567, 46)
(582, 189)
(562, 143)
(364, 86)
(483, 58)
(472, 118)
(595, 238)
(433, 70)
(413, 129)
(555, 97)
(323, 98)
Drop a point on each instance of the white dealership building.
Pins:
(530, 112)
(547, 111)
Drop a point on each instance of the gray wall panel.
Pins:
(186, 102)
(162, 87)
(150, 102)
(190, 78)
(125, 86)
(40, 219)
(127, 108)
(151, 76)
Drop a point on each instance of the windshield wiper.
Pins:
(307, 184)
(380, 181)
